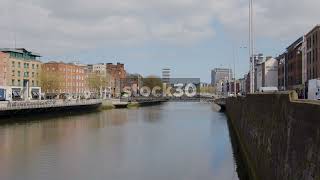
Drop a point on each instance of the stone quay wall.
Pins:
(279, 135)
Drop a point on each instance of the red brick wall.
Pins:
(73, 77)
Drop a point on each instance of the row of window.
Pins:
(312, 40)
(72, 84)
(312, 73)
(25, 65)
(66, 70)
(19, 83)
(76, 90)
(22, 56)
(312, 56)
(74, 77)
(25, 74)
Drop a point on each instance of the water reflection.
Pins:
(173, 141)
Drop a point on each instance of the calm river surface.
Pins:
(173, 141)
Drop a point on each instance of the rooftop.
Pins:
(295, 44)
(313, 29)
(20, 51)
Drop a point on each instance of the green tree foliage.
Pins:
(152, 81)
(50, 81)
(97, 82)
(209, 89)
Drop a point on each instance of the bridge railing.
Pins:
(16, 105)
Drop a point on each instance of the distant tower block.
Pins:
(166, 75)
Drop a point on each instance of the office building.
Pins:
(72, 79)
(166, 72)
(220, 74)
(20, 73)
(313, 53)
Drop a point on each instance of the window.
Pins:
(37, 66)
(12, 82)
(13, 64)
(19, 83)
(19, 64)
(32, 82)
(32, 66)
(19, 73)
(13, 73)
(26, 74)
(33, 74)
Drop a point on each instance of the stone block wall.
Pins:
(280, 135)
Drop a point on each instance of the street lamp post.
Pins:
(251, 46)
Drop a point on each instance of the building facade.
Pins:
(72, 79)
(242, 84)
(248, 78)
(294, 65)
(166, 73)
(258, 76)
(3, 68)
(313, 53)
(20, 73)
(304, 61)
(258, 60)
(270, 72)
(220, 74)
(282, 77)
(116, 72)
(100, 70)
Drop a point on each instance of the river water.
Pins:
(173, 141)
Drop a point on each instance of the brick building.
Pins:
(294, 65)
(116, 72)
(20, 73)
(100, 70)
(72, 78)
(313, 53)
(290, 67)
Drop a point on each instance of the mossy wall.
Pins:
(280, 135)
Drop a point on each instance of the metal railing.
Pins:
(17, 105)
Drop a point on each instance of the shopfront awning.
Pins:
(16, 93)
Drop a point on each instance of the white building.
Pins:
(219, 74)
(259, 76)
(270, 73)
(221, 88)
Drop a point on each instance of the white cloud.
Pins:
(53, 26)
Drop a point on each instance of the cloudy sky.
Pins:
(189, 36)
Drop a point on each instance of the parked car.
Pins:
(268, 89)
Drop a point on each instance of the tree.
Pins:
(50, 81)
(97, 83)
(209, 89)
(152, 81)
